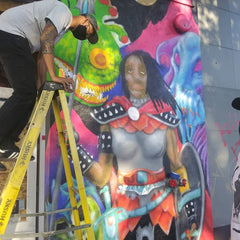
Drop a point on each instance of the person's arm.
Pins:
(100, 171)
(47, 41)
(41, 70)
(175, 162)
(172, 149)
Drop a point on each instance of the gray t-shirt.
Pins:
(29, 20)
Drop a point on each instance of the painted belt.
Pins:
(141, 177)
(140, 181)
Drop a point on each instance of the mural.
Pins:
(139, 120)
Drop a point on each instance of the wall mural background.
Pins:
(158, 40)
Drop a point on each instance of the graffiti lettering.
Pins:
(227, 128)
(27, 149)
(5, 211)
(44, 101)
(234, 149)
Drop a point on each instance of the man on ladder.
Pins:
(24, 30)
(52, 92)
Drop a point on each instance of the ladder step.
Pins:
(52, 86)
(44, 234)
(40, 214)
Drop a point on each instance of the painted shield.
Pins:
(190, 159)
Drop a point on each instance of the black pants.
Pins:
(20, 69)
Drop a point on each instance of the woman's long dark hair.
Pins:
(157, 88)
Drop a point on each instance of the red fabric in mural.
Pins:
(161, 214)
(145, 122)
(130, 178)
(207, 231)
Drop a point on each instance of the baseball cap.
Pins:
(94, 37)
(236, 103)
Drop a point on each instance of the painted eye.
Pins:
(99, 58)
(142, 73)
(129, 70)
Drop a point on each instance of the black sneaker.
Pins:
(11, 153)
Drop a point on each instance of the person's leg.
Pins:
(20, 69)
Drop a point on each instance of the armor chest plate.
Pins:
(138, 149)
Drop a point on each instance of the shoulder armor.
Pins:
(108, 113)
(167, 118)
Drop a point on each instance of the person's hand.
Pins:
(67, 83)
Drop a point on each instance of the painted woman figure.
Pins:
(137, 135)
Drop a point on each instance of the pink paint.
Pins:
(235, 148)
(198, 66)
(177, 59)
(181, 23)
(87, 138)
(177, 20)
(165, 60)
(226, 129)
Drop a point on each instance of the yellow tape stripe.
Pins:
(75, 159)
(11, 190)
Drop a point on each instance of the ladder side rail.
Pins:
(66, 165)
(15, 179)
(77, 169)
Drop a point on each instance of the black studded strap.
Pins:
(105, 142)
(167, 118)
(85, 160)
(191, 208)
(109, 113)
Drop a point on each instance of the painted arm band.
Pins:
(190, 208)
(85, 160)
(105, 142)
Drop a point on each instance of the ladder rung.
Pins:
(44, 234)
(52, 86)
(40, 214)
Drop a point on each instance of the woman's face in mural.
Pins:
(136, 77)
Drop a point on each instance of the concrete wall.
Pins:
(219, 25)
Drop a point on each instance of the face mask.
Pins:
(80, 32)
